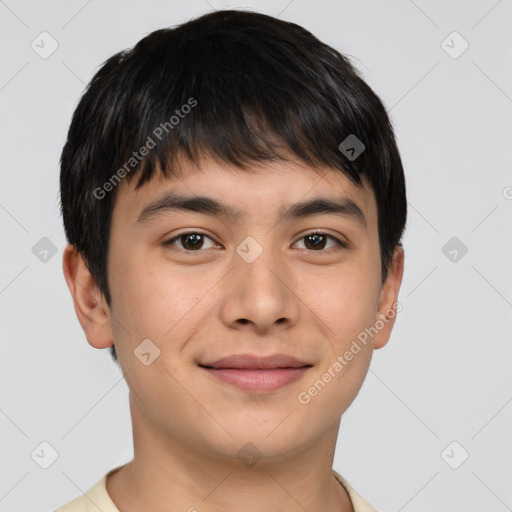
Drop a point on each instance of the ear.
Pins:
(388, 304)
(90, 305)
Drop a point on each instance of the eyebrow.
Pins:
(343, 207)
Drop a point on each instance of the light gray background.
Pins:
(446, 373)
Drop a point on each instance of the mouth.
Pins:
(257, 374)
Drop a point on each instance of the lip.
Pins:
(255, 373)
(255, 362)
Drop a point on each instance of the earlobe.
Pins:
(90, 306)
(387, 310)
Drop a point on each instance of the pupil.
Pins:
(317, 243)
(195, 238)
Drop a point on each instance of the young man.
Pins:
(234, 202)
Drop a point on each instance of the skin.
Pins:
(203, 304)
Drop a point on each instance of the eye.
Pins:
(317, 240)
(195, 241)
(191, 241)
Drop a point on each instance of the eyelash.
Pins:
(340, 245)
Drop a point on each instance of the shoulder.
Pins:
(96, 498)
(77, 505)
(358, 502)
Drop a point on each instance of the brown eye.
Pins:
(190, 241)
(317, 242)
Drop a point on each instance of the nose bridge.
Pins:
(259, 293)
(259, 263)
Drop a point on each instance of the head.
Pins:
(252, 112)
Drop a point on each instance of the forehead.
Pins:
(260, 190)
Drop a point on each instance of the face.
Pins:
(261, 276)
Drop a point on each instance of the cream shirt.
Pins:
(97, 498)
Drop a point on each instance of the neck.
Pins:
(167, 474)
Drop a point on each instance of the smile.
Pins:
(257, 380)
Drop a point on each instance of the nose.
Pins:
(261, 295)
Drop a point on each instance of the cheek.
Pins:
(347, 301)
(154, 298)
